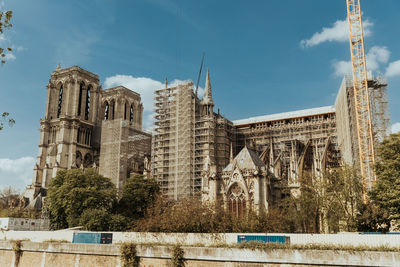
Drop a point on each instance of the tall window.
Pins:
(80, 99)
(60, 101)
(112, 106)
(237, 200)
(87, 106)
(125, 112)
(131, 114)
(106, 111)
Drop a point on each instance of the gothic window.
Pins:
(60, 101)
(78, 160)
(78, 135)
(80, 99)
(125, 112)
(236, 200)
(112, 106)
(88, 161)
(87, 105)
(106, 111)
(131, 114)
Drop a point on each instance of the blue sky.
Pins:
(264, 56)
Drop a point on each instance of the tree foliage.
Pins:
(137, 194)
(325, 204)
(73, 192)
(385, 193)
(5, 119)
(190, 215)
(5, 23)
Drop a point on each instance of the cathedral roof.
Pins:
(246, 159)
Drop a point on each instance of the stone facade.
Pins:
(83, 124)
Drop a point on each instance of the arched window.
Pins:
(80, 99)
(106, 111)
(78, 159)
(236, 200)
(131, 114)
(125, 112)
(60, 102)
(78, 136)
(88, 161)
(112, 106)
(87, 105)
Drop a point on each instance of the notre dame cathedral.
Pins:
(88, 127)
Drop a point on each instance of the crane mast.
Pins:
(361, 95)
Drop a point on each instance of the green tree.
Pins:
(342, 197)
(385, 192)
(5, 23)
(72, 192)
(138, 193)
(5, 119)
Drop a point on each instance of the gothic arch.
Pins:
(81, 88)
(237, 199)
(88, 160)
(87, 101)
(112, 110)
(78, 159)
(60, 98)
(106, 110)
(132, 113)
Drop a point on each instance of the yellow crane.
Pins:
(361, 95)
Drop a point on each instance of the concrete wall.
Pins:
(63, 254)
(191, 239)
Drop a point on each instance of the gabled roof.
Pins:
(246, 159)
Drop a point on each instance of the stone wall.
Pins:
(87, 255)
(192, 239)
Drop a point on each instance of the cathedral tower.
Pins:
(69, 133)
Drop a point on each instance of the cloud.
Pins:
(342, 68)
(339, 32)
(10, 56)
(393, 69)
(145, 87)
(16, 172)
(396, 127)
(375, 57)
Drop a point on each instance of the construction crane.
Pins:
(361, 95)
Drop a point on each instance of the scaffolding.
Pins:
(299, 141)
(188, 135)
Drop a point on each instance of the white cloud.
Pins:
(16, 172)
(375, 57)
(393, 69)
(396, 127)
(145, 87)
(10, 56)
(342, 68)
(339, 32)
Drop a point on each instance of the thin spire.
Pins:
(231, 154)
(207, 98)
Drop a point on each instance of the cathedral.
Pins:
(194, 151)
(86, 126)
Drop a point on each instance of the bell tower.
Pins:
(69, 132)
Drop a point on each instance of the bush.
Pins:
(192, 216)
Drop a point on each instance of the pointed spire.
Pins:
(58, 66)
(231, 154)
(166, 83)
(207, 98)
